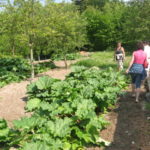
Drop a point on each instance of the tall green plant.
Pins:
(105, 26)
(66, 28)
(136, 22)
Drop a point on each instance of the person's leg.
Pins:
(133, 77)
(133, 90)
(121, 64)
(138, 90)
(118, 65)
(138, 81)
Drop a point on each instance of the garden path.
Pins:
(129, 127)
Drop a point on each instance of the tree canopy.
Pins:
(60, 28)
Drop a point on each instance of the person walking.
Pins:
(137, 70)
(119, 55)
(147, 51)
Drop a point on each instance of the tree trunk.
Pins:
(32, 61)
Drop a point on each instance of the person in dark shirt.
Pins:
(119, 55)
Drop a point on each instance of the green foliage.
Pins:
(44, 66)
(56, 29)
(136, 23)
(33, 104)
(71, 56)
(65, 29)
(50, 29)
(64, 115)
(104, 26)
(83, 4)
(4, 131)
(147, 105)
(103, 60)
(15, 69)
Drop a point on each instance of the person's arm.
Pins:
(131, 62)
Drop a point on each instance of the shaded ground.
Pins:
(129, 127)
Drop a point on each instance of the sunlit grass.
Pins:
(148, 106)
(103, 60)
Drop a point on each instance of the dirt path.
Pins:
(129, 127)
(13, 95)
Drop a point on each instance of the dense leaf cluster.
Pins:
(59, 28)
(67, 115)
(69, 56)
(15, 69)
(110, 21)
(50, 29)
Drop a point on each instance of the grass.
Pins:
(103, 60)
(148, 106)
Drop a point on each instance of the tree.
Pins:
(42, 30)
(65, 28)
(136, 22)
(27, 11)
(105, 26)
(9, 26)
(83, 4)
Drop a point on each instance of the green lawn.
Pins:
(102, 60)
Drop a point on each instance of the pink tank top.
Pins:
(139, 56)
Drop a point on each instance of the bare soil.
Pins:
(129, 127)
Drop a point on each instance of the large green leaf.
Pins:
(4, 132)
(32, 104)
(60, 127)
(3, 124)
(44, 83)
(86, 109)
(35, 146)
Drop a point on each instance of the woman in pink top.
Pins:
(138, 58)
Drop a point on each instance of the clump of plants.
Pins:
(15, 69)
(68, 114)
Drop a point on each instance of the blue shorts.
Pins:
(137, 79)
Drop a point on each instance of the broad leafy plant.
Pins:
(68, 114)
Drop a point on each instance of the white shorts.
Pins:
(119, 59)
(148, 68)
(120, 63)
